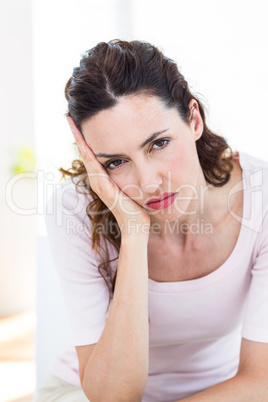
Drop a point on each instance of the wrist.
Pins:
(133, 229)
(139, 238)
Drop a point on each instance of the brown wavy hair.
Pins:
(118, 68)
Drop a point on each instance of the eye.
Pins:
(117, 166)
(161, 144)
(161, 141)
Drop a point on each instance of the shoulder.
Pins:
(68, 198)
(256, 187)
(68, 193)
(255, 175)
(255, 168)
(67, 220)
(66, 217)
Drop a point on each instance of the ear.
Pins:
(196, 123)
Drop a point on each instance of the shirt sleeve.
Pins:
(255, 325)
(85, 292)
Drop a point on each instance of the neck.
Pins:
(200, 217)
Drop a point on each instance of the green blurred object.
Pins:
(25, 160)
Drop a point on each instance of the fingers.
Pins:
(82, 145)
(88, 156)
(90, 161)
(96, 172)
(101, 183)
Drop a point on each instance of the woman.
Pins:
(166, 289)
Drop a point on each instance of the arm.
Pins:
(116, 369)
(251, 381)
(118, 366)
(249, 384)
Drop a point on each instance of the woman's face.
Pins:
(145, 167)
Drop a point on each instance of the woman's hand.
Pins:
(130, 216)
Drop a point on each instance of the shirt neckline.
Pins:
(229, 263)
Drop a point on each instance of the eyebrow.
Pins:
(151, 138)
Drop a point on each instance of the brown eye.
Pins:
(162, 143)
(115, 163)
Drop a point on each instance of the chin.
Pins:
(164, 216)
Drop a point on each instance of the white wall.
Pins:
(17, 231)
(63, 30)
(222, 49)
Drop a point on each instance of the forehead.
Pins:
(132, 120)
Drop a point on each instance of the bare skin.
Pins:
(116, 367)
(199, 254)
(187, 252)
(118, 363)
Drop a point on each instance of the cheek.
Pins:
(176, 167)
(125, 185)
(181, 167)
(119, 181)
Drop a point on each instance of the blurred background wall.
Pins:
(18, 219)
(220, 47)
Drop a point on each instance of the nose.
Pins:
(149, 178)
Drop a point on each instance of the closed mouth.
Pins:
(159, 200)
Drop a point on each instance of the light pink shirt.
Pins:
(196, 325)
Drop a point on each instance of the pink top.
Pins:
(196, 325)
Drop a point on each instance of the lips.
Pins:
(162, 197)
